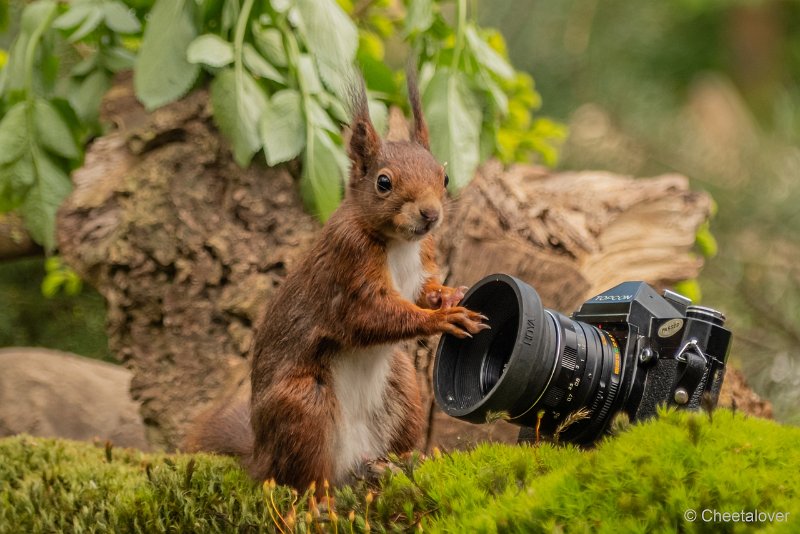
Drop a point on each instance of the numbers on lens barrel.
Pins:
(574, 384)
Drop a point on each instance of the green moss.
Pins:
(640, 481)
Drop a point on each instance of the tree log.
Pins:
(186, 247)
(15, 241)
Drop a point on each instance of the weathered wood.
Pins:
(15, 241)
(185, 246)
(575, 234)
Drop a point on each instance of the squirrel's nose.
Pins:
(430, 215)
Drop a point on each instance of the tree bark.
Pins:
(186, 247)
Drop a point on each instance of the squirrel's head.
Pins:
(397, 186)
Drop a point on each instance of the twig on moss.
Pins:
(571, 419)
(539, 417)
(269, 486)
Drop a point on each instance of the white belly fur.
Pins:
(360, 376)
(405, 266)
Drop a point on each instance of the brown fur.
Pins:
(341, 297)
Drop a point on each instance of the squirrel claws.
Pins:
(461, 322)
(461, 334)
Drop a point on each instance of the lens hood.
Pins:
(498, 369)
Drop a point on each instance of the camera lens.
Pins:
(496, 359)
(532, 359)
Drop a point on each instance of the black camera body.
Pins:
(628, 348)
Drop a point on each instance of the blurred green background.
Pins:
(707, 88)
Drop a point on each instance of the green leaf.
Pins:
(119, 18)
(332, 39)
(259, 66)
(15, 181)
(59, 275)
(454, 120)
(230, 14)
(13, 133)
(12, 77)
(73, 284)
(706, 241)
(162, 73)
(377, 75)
(50, 188)
(117, 58)
(335, 108)
(486, 55)
(53, 131)
(270, 43)
(90, 24)
(488, 143)
(74, 16)
(53, 263)
(85, 95)
(37, 14)
(308, 74)
(283, 127)
(281, 6)
(324, 168)
(499, 97)
(36, 19)
(379, 115)
(238, 106)
(419, 17)
(211, 50)
(52, 282)
(319, 116)
(86, 65)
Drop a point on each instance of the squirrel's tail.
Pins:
(225, 427)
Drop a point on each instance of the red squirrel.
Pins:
(329, 388)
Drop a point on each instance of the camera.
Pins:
(628, 349)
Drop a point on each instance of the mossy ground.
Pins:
(642, 480)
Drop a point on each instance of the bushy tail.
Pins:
(225, 427)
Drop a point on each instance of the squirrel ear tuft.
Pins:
(365, 143)
(420, 131)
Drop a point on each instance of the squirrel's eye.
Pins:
(446, 180)
(384, 183)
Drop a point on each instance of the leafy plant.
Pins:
(477, 104)
(47, 119)
(279, 70)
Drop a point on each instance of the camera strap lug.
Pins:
(693, 361)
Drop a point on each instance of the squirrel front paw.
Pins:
(460, 321)
(445, 297)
